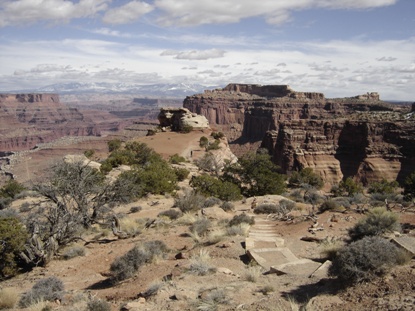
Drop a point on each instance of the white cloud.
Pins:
(111, 33)
(127, 13)
(386, 59)
(195, 54)
(190, 12)
(23, 12)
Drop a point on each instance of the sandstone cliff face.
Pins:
(361, 136)
(29, 119)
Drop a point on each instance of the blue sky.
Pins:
(338, 47)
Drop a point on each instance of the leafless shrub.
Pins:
(48, 289)
(98, 305)
(190, 201)
(200, 226)
(73, 251)
(241, 218)
(227, 206)
(171, 214)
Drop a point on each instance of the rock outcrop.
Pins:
(177, 118)
(29, 119)
(361, 136)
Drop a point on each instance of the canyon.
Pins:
(361, 137)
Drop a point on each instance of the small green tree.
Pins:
(255, 174)
(212, 186)
(383, 187)
(203, 141)
(114, 145)
(13, 237)
(409, 187)
(347, 187)
(306, 176)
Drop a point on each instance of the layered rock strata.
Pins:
(29, 119)
(361, 136)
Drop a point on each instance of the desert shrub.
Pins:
(212, 186)
(213, 146)
(25, 207)
(13, 237)
(152, 290)
(241, 229)
(377, 222)
(181, 173)
(330, 248)
(209, 163)
(127, 265)
(212, 201)
(8, 298)
(383, 186)
(199, 264)
(9, 212)
(347, 187)
(241, 218)
(5, 202)
(89, 153)
(151, 132)
(11, 189)
(256, 175)
(365, 259)
(305, 176)
(72, 252)
(409, 187)
(266, 208)
(98, 305)
(171, 214)
(48, 289)
(358, 198)
(135, 209)
(191, 201)
(114, 145)
(253, 273)
(328, 205)
(227, 206)
(267, 289)
(185, 128)
(212, 300)
(217, 135)
(176, 159)
(203, 141)
(200, 226)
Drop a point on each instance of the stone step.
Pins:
(268, 257)
(300, 267)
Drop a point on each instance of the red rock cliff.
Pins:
(359, 136)
(29, 119)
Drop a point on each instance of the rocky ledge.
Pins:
(362, 136)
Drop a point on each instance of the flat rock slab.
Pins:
(322, 271)
(406, 242)
(263, 242)
(268, 257)
(301, 267)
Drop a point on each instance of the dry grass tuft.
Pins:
(8, 298)
(252, 274)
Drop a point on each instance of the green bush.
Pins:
(114, 145)
(49, 289)
(213, 146)
(13, 237)
(217, 135)
(377, 222)
(241, 218)
(203, 141)
(409, 187)
(256, 175)
(11, 189)
(89, 153)
(347, 187)
(383, 187)
(211, 186)
(185, 128)
(181, 173)
(365, 259)
(176, 159)
(305, 176)
(328, 205)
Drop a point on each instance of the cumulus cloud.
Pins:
(127, 13)
(386, 59)
(23, 12)
(195, 54)
(190, 12)
(111, 33)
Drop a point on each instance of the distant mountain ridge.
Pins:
(179, 90)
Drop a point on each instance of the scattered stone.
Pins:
(181, 255)
(405, 242)
(225, 271)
